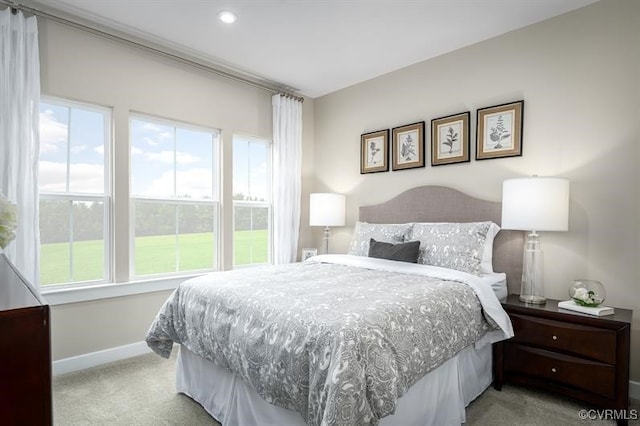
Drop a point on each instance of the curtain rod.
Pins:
(146, 47)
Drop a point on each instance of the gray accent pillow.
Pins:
(404, 252)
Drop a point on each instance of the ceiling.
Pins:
(315, 47)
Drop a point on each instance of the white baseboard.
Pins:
(634, 390)
(93, 359)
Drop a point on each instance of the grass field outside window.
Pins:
(155, 255)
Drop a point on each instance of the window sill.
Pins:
(63, 296)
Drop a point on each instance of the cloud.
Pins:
(83, 177)
(136, 151)
(152, 127)
(150, 141)
(52, 132)
(168, 157)
(78, 149)
(195, 183)
(186, 158)
(99, 149)
(160, 132)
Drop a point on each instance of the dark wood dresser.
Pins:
(25, 351)
(578, 355)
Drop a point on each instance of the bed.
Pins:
(314, 348)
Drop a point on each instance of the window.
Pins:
(74, 192)
(251, 201)
(174, 190)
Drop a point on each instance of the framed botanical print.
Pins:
(499, 131)
(450, 139)
(374, 152)
(408, 146)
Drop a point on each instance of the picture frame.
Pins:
(374, 152)
(408, 146)
(499, 131)
(450, 139)
(309, 252)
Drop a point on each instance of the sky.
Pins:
(167, 160)
(84, 146)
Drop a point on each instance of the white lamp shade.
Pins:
(326, 209)
(535, 204)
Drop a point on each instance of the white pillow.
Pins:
(486, 265)
(459, 246)
(385, 232)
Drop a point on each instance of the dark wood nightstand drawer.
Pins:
(592, 376)
(587, 360)
(584, 341)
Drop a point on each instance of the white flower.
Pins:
(581, 293)
(587, 297)
(8, 222)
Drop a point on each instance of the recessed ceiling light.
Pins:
(227, 17)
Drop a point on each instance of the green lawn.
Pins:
(154, 255)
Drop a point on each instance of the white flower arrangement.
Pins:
(8, 222)
(585, 297)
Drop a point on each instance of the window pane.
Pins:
(194, 164)
(196, 239)
(173, 162)
(258, 177)
(152, 159)
(251, 235)
(72, 241)
(88, 241)
(86, 152)
(155, 241)
(173, 237)
(251, 185)
(72, 171)
(55, 248)
(251, 171)
(54, 135)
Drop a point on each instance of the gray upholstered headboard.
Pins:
(442, 204)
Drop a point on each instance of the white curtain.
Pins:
(19, 137)
(287, 176)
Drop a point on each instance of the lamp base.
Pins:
(325, 239)
(536, 300)
(532, 288)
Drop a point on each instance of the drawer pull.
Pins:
(553, 370)
(555, 337)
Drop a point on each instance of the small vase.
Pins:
(589, 293)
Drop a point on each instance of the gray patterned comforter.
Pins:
(338, 338)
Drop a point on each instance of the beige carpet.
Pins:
(140, 391)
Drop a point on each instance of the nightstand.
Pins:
(581, 356)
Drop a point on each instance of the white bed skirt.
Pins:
(439, 398)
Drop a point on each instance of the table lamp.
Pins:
(326, 210)
(534, 204)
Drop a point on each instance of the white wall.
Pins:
(579, 76)
(79, 66)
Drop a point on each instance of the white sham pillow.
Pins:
(384, 232)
